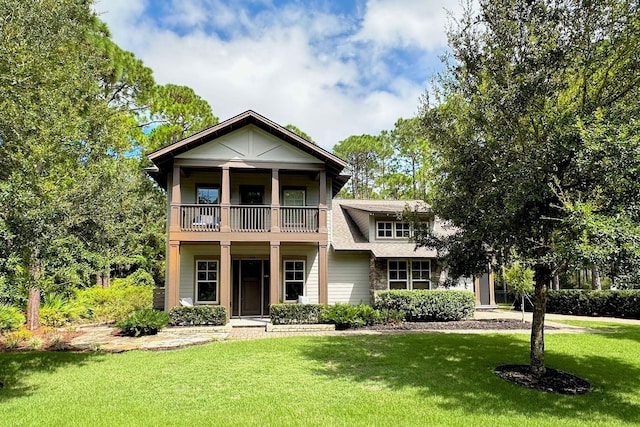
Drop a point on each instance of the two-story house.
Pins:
(252, 221)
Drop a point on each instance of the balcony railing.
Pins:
(292, 219)
(298, 219)
(250, 218)
(200, 217)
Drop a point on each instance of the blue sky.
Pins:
(333, 68)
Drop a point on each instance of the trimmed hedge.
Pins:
(428, 305)
(214, 315)
(579, 302)
(143, 322)
(296, 314)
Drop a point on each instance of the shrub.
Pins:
(198, 315)
(14, 339)
(10, 318)
(295, 314)
(612, 303)
(141, 277)
(143, 322)
(427, 305)
(346, 316)
(115, 302)
(58, 311)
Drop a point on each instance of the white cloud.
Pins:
(417, 23)
(292, 65)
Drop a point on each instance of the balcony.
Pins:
(248, 219)
(299, 219)
(200, 217)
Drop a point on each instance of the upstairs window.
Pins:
(403, 230)
(207, 194)
(385, 229)
(393, 230)
(293, 197)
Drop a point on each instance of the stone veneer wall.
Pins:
(377, 275)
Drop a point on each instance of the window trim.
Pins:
(208, 186)
(285, 281)
(196, 281)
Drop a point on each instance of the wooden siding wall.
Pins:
(348, 277)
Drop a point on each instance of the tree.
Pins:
(175, 113)
(48, 108)
(361, 152)
(295, 129)
(412, 155)
(528, 86)
(519, 281)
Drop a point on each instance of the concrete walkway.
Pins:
(104, 338)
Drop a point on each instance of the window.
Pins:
(251, 194)
(207, 281)
(293, 197)
(398, 277)
(403, 230)
(385, 229)
(293, 217)
(207, 195)
(406, 274)
(294, 273)
(393, 230)
(420, 274)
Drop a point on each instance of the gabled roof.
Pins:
(386, 206)
(347, 236)
(162, 157)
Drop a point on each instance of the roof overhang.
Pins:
(163, 158)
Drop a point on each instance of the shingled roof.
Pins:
(346, 236)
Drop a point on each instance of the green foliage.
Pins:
(428, 305)
(519, 279)
(59, 311)
(295, 129)
(214, 315)
(143, 322)
(298, 314)
(141, 277)
(11, 318)
(608, 303)
(115, 302)
(180, 112)
(346, 316)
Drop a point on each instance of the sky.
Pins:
(333, 68)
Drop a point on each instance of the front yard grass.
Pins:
(395, 380)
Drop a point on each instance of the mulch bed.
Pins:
(553, 381)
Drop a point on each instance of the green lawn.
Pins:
(431, 379)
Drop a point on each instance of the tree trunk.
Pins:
(595, 278)
(33, 309)
(542, 274)
(33, 304)
(556, 281)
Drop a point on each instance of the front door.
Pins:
(250, 287)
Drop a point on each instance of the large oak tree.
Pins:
(535, 131)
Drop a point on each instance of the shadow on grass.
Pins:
(16, 368)
(459, 369)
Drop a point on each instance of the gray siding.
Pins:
(348, 277)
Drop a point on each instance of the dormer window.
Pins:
(385, 229)
(393, 230)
